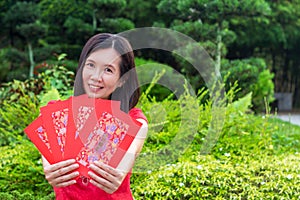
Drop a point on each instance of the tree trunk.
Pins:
(94, 20)
(30, 52)
(219, 49)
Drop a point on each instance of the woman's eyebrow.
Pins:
(89, 60)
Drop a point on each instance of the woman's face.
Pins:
(101, 73)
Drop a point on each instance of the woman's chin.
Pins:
(95, 95)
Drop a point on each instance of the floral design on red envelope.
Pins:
(60, 120)
(84, 113)
(41, 132)
(104, 140)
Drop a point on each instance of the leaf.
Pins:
(243, 104)
(50, 95)
(61, 56)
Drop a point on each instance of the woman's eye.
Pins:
(90, 64)
(107, 69)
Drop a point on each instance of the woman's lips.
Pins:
(95, 88)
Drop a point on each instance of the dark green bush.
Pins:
(13, 64)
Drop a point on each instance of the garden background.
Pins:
(253, 43)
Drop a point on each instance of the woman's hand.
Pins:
(105, 177)
(60, 174)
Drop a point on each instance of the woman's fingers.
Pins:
(65, 180)
(106, 177)
(102, 183)
(59, 174)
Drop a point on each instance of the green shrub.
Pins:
(252, 76)
(21, 170)
(16, 195)
(13, 64)
(285, 137)
(164, 85)
(204, 177)
(57, 77)
(15, 116)
(116, 25)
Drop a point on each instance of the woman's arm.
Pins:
(109, 179)
(60, 174)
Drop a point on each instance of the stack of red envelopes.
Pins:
(85, 129)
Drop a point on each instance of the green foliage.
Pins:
(55, 76)
(287, 142)
(15, 116)
(74, 25)
(162, 86)
(22, 13)
(116, 25)
(204, 177)
(212, 150)
(21, 171)
(15, 195)
(60, 78)
(12, 64)
(51, 95)
(253, 76)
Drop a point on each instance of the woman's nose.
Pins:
(97, 74)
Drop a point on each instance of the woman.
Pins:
(106, 70)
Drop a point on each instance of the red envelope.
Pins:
(55, 119)
(39, 137)
(81, 110)
(111, 136)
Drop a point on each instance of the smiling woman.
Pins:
(106, 70)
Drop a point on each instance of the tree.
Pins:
(213, 17)
(31, 32)
(143, 13)
(23, 19)
(277, 39)
(107, 16)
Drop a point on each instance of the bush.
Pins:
(164, 85)
(204, 177)
(55, 76)
(253, 76)
(15, 195)
(15, 116)
(21, 170)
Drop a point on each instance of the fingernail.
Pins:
(91, 166)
